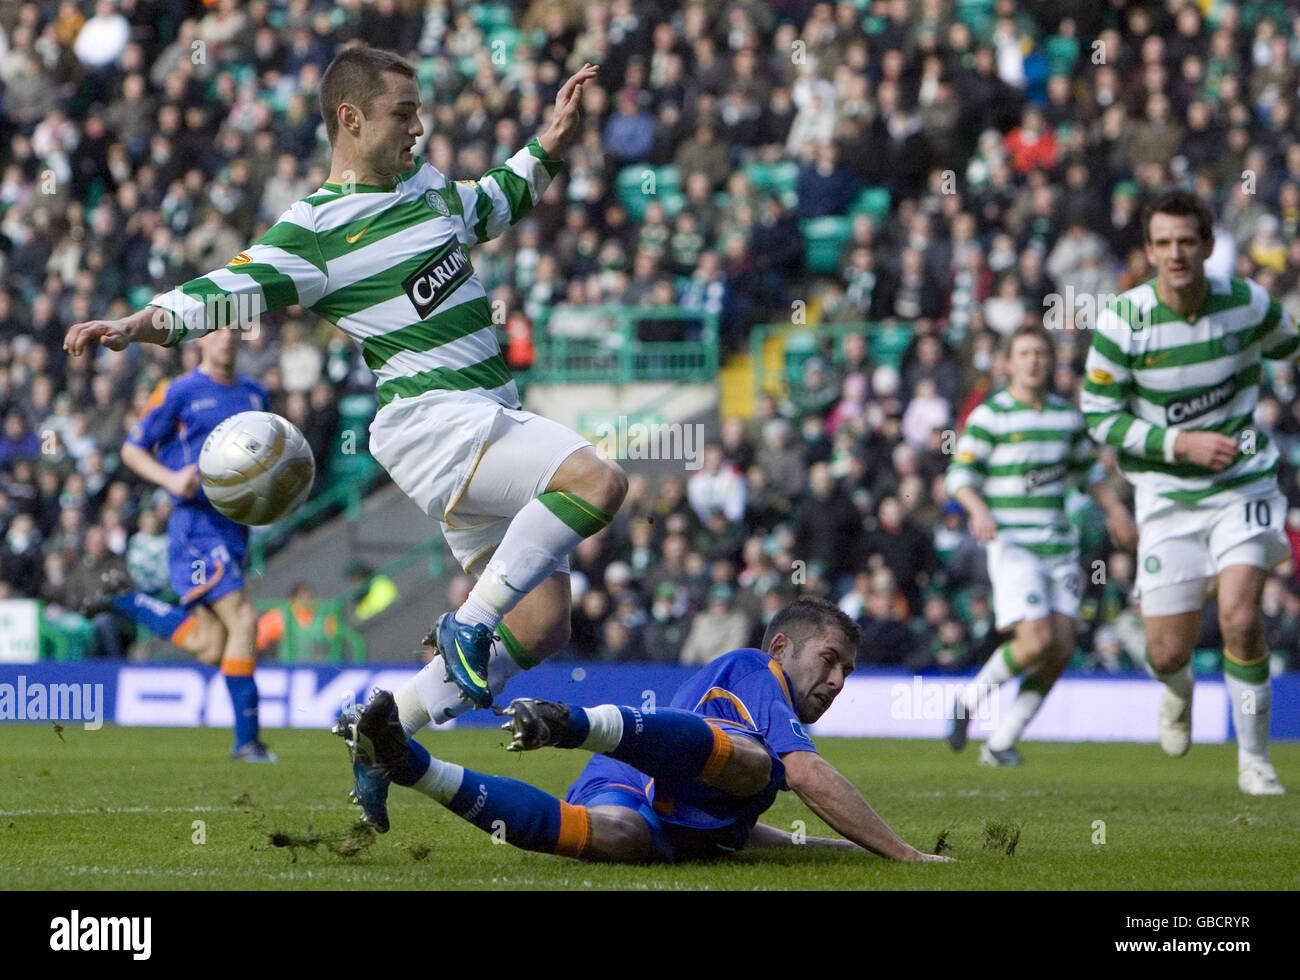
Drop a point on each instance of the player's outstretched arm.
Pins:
(765, 836)
(837, 801)
(283, 268)
(147, 326)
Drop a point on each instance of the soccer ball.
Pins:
(256, 468)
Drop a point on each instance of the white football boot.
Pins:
(1257, 778)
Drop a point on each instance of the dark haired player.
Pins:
(1172, 382)
(382, 251)
(686, 782)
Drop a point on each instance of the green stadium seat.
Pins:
(510, 39)
(977, 15)
(887, 342)
(490, 15)
(627, 188)
(668, 178)
(673, 202)
(823, 239)
(778, 178)
(873, 201)
(426, 73)
(355, 413)
(1062, 53)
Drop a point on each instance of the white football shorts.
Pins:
(1027, 586)
(470, 463)
(1183, 547)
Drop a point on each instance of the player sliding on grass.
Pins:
(1173, 380)
(380, 250)
(685, 782)
(1019, 453)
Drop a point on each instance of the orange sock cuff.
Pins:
(718, 758)
(182, 631)
(575, 830)
(243, 667)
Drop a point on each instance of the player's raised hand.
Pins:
(568, 100)
(185, 481)
(1209, 449)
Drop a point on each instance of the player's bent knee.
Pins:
(609, 485)
(617, 834)
(599, 481)
(1238, 620)
(1167, 656)
(1036, 635)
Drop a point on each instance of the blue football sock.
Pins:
(668, 743)
(528, 817)
(511, 810)
(243, 695)
(153, 614)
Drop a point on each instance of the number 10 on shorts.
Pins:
(1259, 513)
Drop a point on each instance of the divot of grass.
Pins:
(1000, 836)
(941, 842)
(343, 843)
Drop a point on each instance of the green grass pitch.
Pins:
(116, 808)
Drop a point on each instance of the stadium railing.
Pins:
(886, 343)
(623, 345)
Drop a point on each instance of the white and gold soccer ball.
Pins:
(256, 468)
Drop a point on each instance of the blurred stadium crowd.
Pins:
(1011, 143)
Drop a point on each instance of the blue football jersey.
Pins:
(182, 413)
(748, 694)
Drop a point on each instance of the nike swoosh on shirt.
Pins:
(353, 239)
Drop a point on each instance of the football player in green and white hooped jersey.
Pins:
(381, 250)
(1173, 380)
(1021, 450)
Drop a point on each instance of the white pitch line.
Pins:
(106, 810)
